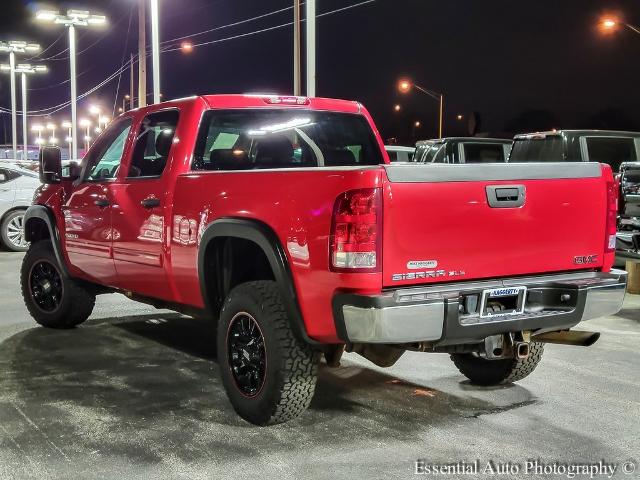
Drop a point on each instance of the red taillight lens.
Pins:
(354, 244)
(612, 217)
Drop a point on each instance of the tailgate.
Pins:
(464, 222)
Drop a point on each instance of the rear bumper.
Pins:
(434, 314)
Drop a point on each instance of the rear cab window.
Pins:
(273, 138)
(549, 148)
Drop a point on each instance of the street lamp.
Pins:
(24, 69)
(397, 108)
(14, 47)
(73, 19)
(405, 86)
(610, 24)
(186, 47)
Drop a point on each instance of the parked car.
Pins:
(610, 147)
(462, 150)
(279, 219)
(17, 187)
(400, 154)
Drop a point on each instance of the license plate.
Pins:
(501, 302)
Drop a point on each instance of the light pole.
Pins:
(311, 48)
(86, 123)
(73, 19)
(25, 69)
(405, 86)
(297, 70)
(38, 129)
(69, 138)
(53, 140)
(14, 47)
(155, 50)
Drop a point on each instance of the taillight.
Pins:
(612, 217)
(356, 231)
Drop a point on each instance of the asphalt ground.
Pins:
(135, 393)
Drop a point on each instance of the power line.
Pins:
(124, 66)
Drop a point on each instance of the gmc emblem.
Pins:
(585, 260)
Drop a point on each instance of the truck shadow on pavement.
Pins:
(143, 387)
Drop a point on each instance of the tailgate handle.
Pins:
(506, 196)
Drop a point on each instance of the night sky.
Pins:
(520, 65)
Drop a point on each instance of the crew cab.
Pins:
(282, 220)
(455, 150)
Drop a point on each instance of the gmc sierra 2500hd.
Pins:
(282, 220)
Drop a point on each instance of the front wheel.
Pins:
(12, 232)
(53, 299)
(496, 372)
(269, 375)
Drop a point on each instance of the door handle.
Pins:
(506, 196)
(150, 202)
(102, 203)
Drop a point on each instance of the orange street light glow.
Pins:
(397, 108)
(404, 86)
(186, 47)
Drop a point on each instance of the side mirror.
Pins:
(71, 171)
(50, 159)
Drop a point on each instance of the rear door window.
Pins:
(483, 152)
(153, 144)
(272, 138)
(546, 149)
(611, 150)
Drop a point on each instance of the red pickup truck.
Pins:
(281, 219)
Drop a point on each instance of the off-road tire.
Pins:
(290, 372)
(9, 222)
(76, 301)
(496, 372)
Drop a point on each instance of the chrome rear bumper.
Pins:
(435, 313)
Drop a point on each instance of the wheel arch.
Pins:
(40, 224)
(212, 262)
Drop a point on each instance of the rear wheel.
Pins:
(53, 299)
(495, 372)
(12, 232)
(268, 374)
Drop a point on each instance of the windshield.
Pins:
(261, 139)
(548, 149)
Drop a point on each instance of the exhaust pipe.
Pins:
(522, 350)
(568, 337)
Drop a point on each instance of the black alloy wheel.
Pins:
(45, 284)
(247, 354)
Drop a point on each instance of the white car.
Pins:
(400, 154)
(17, 186)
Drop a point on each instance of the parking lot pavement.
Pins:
(135, 393)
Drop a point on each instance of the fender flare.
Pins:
(263, 236)
(48, 217)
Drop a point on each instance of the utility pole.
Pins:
(131, 86)
(14, 107)
(155, 49)
(297, 70)
(142, 55)
(311, 48)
